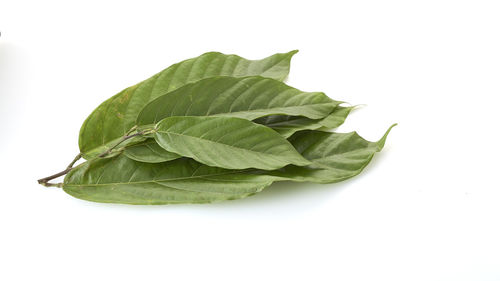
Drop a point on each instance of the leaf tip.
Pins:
(358, 106)
(381, 142)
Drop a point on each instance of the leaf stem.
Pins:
(128, 135)
(77, 157)
(45, 181)
(124, 138)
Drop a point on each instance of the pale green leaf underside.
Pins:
(122, 180)
(150, 152)
(335, 156)
(114, 117)
(287, 125)
(244, 97)
(226, 142)
(336, 118)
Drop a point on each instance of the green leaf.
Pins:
(114, 117)
(122, 180)
(336, 118)
(226, 142)
(286, 125)
(247, 97)
(335, 156)
(150, 152)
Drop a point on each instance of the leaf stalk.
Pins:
(129, 135)
(124, 138)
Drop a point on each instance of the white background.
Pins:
(427, 207)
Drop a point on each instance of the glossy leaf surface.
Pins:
(335, 156)
(247, 97)
(122, 180)
(114, 117)
(226, 142)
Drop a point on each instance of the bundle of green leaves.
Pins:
(211, 128)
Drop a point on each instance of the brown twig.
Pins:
(126, 137)
(74, 161)
(45, 181)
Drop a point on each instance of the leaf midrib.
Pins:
(238, 148)
(107, 146)
(158, 181)
(281, 107)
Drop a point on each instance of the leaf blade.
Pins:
(226, 142)
(335, 156)
(115, 116)
(150, 152)
(287, 125)
(122, 180)
(244, 97)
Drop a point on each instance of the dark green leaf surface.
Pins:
(122, 180)
(335, 156)
(150, 152)
(286, 125)
(114, 117)
(226, 142)
(247, 97)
